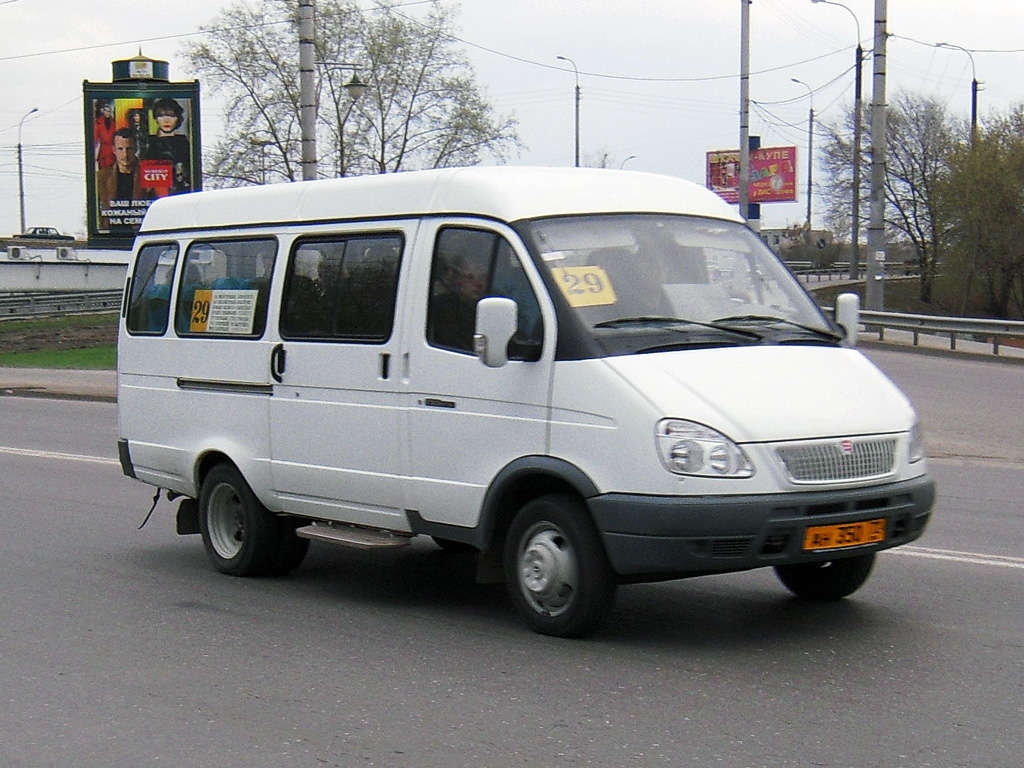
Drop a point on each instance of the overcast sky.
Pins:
(659, 78)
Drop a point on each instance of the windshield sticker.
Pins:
(223, 312)
(585, 286)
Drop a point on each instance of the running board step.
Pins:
(348, 535)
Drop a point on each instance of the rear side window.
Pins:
(224, 288)
(150, 299)
(342, 288)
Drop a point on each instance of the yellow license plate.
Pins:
(844, 535)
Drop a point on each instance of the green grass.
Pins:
(77, 341)
(94, 358)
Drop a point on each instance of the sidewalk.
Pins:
(56, 383)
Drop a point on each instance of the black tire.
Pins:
(827, 580)
(556, 569)
(291, 549)
(241, 536)
(450, 545)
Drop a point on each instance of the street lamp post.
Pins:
(577, 72)
(858, 79)
(974, 86)
(262, 146)
(21, 169)
(810, 148)
(355, 88)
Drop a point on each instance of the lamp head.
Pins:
(355, 87)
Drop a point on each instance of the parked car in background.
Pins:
(43, 233)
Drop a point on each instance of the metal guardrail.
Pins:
(22, 306)
(19, 306)
(995, 332)
(840, 270)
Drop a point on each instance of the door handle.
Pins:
(277, 363)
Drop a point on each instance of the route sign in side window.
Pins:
(224, 288)
(150, 298)
(342, 288)
(468, 265)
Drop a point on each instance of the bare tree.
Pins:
(920, 136)
(836, 159)
(247, 55)
(422, 109)
(918, 145)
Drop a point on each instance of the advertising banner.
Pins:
(142, 143)
(772, 174)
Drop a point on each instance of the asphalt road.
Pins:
(122, 647)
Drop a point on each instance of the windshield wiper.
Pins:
(673, 323)
(724, 322)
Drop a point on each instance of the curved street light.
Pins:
(577, 72)
(974, 85)
(810, 149)
(858, 78)
(21, 170)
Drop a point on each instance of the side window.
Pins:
(150, 300)
(224, 288)
(468, 265)
(342, 288)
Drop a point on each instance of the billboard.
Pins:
(142, 143)
(772, 174)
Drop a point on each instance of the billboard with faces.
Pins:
(142, 143)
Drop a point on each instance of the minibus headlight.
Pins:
(687, 448)
(915, 444)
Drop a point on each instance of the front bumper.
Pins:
(674, 536)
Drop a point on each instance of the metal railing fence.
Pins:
(994, 332)
(16, 306)
(26, 305)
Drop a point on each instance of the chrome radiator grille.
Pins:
(837, 460)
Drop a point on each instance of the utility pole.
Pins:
(875, 287)
(307, 91)
(21, 170)
(744, 182)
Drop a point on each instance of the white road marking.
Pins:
(975, 558)
(55, 455)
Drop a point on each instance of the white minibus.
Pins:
(586, 377)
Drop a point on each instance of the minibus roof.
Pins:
(506, 193)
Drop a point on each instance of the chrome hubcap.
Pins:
(548, 575)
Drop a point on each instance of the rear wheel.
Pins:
(556, 569)
(828, 580)
(291, 548)
(241, 536)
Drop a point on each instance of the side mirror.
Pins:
(495, 325)
(848, 317)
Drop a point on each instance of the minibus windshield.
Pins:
(651, 281)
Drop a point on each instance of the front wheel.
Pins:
(556, 569)
(828, 580)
